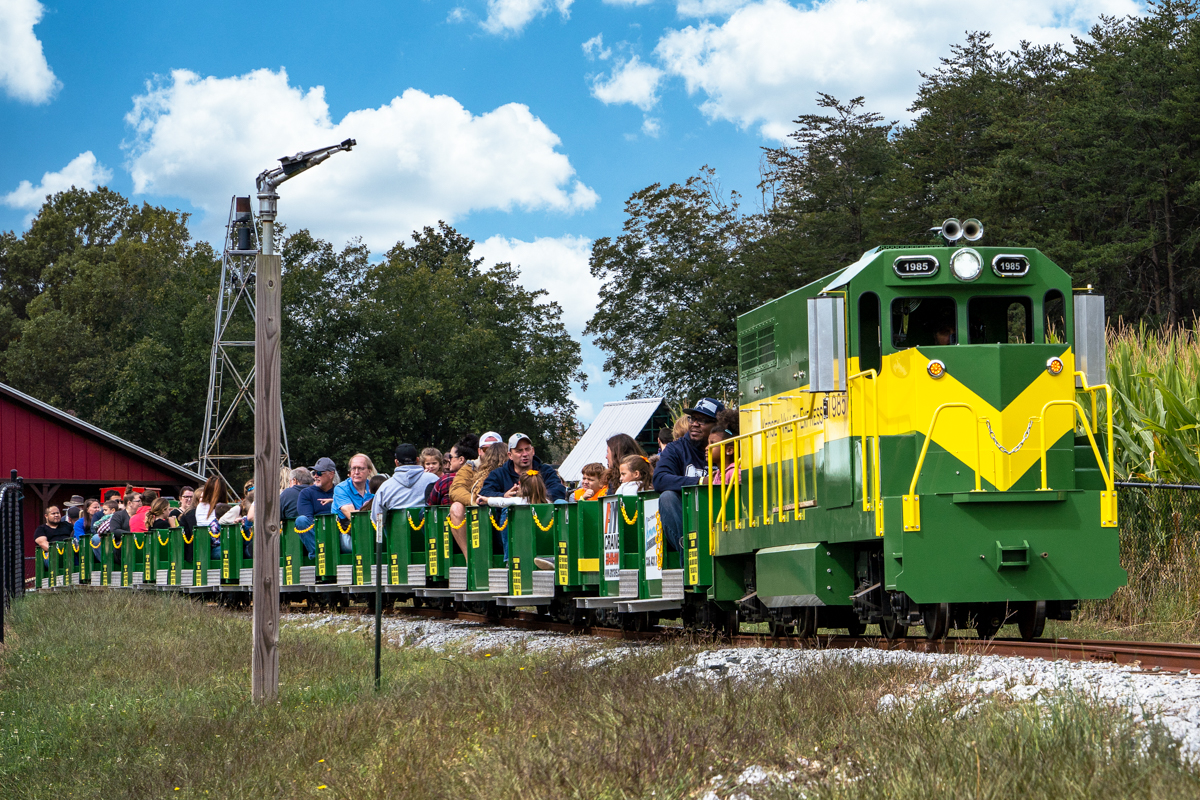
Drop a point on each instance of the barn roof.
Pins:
(45, 443)
(621, 416)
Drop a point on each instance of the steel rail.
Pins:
(1147, 656)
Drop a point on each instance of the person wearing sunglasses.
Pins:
(315, 500)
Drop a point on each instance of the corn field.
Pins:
(1155, 377)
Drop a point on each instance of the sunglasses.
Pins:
(317, 473)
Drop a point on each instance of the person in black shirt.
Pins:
(54, 529)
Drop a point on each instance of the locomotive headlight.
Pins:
(1054, 366)
(936, 368)
(966, 264)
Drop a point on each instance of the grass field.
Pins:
(122, 694)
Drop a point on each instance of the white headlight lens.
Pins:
(966, 264)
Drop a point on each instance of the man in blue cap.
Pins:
(682, 463)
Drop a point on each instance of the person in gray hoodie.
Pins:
(408, 486)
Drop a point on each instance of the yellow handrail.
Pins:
(872, 498)
(1091, 391)
(720, 517)
(1104, 473)
(912, 504)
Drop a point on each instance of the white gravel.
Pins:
(1172, 699)
(441, 635)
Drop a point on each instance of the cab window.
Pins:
(1056, 317)
(923, 322)
(1000, 320)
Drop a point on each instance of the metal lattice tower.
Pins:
(231, 367)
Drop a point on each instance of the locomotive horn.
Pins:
(952, 230)
(972, 230)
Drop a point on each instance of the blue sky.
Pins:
(525, 123)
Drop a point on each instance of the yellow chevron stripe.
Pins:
(907, 399)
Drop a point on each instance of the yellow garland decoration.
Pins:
(625, 517)
(186, 540)
(246, 538)
(339, 524)
(94, 546)
(61, 548)
(416, 527)
(311, 525)
(141, 546)
(499, 527)
(457, 527)
(117, 545)
(75, 545)
(216, 537)
(538, 522)
(161, 543)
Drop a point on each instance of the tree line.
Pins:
(1089, 153)
(107, 311)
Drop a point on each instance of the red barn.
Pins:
(59, 455)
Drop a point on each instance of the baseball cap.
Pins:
(707, 407)
(490, 438)
(324, 465)
(516, 438)
(406, 454)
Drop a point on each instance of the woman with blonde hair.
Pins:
(493, 458)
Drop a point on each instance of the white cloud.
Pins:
(586, 411)
(632, 82)
(84, 172)
(628, 2)
(24, 73)
(457, 14)
(558, 265)
(511, 16)
(765, 64)
(594, 48)
(652, 126)
(419, 158)
(708, 8)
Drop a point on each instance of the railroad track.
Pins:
(1146, 656)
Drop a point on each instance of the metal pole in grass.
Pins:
(378, 595)
(264, 658)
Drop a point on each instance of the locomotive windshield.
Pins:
(1000, 320)
(923, 322)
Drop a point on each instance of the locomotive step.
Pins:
(516, 600)
(601, 602)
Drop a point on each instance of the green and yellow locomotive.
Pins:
(921, 445)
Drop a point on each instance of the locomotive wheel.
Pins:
(987, 626)
(936, 617)
(856, 628)
(1031, 619)
(892, 628)
(779, 629)
(638, 622)
(806, 622)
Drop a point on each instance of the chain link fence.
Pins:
(1160, 549)
(12, 545)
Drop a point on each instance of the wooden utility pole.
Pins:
(264, 664)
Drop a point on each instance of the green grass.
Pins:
(122, 694)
